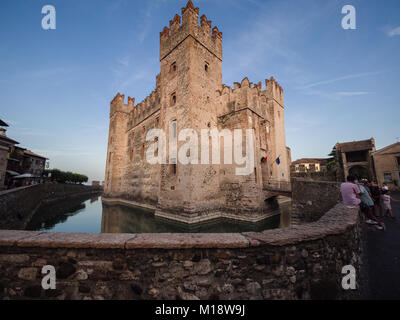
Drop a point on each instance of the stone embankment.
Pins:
(17, 206)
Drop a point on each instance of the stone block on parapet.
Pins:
(11, 237)
(76, 240)
(182, 241)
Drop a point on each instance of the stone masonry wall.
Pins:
(17, 206)
(300, 262)
(310, 199)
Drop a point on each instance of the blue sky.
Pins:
(55, 86)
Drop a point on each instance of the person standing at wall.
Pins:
(386, 203)
(367, 206)
(350, 192)
(376, 197)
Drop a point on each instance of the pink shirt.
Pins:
(349, 193)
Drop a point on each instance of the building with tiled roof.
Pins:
(309, 165)
(5, 144)
(387, 165)
(355, 158)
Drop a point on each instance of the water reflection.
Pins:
(80, 214)
(94, 199)
(93, 216)
(122, 219)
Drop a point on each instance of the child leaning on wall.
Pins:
(386, 202)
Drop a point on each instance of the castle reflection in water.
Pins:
(93, 216)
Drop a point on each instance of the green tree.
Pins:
(66, 177)
(332, 163)
(333, 152)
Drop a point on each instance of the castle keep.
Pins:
(189, 93)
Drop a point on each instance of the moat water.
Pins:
(92, 216)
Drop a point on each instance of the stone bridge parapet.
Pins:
(299, 262)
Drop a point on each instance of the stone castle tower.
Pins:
(189, 94)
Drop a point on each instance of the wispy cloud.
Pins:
(69, 152)
(145, 25)
(393, 32)
(347, 77)
(300, 122)
(337, 95)
(352, 93)
(44, 74)
(124, 61)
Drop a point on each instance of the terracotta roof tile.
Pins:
(322, 161)
(30, 153)
(356, 145)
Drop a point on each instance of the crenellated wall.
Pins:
(145, 109)
(177, 32)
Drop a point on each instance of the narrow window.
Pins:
(173, 99)
(156, 152)
(174, 126)
(131, 154)
(173, 67)
(206, 67)
(172, 169)
(387, 177)
(255, 174)
(142, 151)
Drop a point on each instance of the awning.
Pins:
(13, 173)
(25, 175)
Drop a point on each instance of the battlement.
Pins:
(274, 90)
(144, 109)
(240, 86)
(117, 104)
(243, 95)
(178, 32)
(246, 94)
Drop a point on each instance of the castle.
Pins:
(189, 93)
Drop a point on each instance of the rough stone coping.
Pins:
(295, 179)
(2, 193)
(15, 190)
(336, 221)
(190, 240)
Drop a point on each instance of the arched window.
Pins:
(173, 67)
(173, 98)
